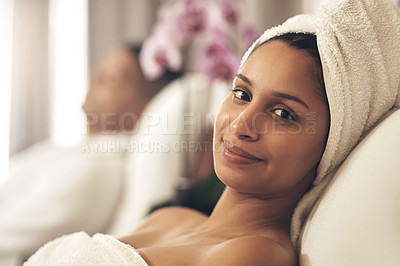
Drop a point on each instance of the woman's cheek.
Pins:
(223, 119)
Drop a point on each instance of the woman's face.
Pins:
(114, 89)
(271, 130)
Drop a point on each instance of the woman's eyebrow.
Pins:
(289, 97)
(245, 79)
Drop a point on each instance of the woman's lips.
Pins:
(236, 155)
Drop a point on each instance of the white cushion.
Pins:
(357, 219)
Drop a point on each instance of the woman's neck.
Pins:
(242, 214)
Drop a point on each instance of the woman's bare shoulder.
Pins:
(253, 250)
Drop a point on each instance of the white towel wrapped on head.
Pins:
(359, 46)
(81, 249)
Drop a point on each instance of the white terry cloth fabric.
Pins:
(359, 46)
(81, 249)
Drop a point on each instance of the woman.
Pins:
(276, 138)
(265, 157)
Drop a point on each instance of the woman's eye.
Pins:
(284, 114)
(241, 95)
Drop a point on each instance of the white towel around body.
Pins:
(81, 249)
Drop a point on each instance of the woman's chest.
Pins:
(174, 247)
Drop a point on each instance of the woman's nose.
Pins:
(244, 126)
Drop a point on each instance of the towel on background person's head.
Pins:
(359, 46)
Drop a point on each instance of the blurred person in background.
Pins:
(118, 91)
(52, 190)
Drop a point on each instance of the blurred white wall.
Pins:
(29, 101)
(268, 13)
(43, 71)
(68, 67)
(113, 23)
(6, 26)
